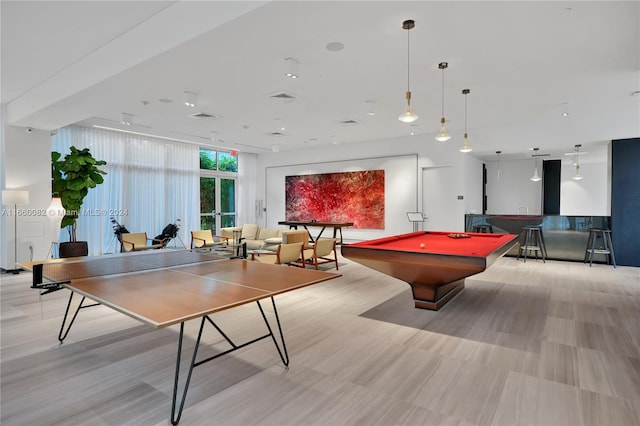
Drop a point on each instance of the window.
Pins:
(218, 173)
(208, 159)
(227, 162)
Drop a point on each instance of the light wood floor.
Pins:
(524, 344)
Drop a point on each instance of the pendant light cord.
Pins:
(408, 61)
(442, 92)
(465, 114)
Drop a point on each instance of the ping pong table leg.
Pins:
(63, 334)
(176, 419)
(284, 356)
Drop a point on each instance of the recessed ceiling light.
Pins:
(293, 68)
(190, 99)
(370, 110)
(126, 118)
(335, 46)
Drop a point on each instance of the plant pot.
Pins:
(73, 249)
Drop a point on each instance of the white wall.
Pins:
(472, 189)
(589, 196)
(514, 188)
(26, 166)
(247, 180)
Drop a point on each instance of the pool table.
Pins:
(433, 263)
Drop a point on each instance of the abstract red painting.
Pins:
(356, 197)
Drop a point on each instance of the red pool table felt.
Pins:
(440, 243)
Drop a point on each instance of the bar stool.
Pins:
(483, 228)
(606, 248)
(533, 241)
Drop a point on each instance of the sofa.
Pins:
(256, 238)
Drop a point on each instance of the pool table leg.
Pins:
(434, 298)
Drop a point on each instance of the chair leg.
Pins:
(608, 245)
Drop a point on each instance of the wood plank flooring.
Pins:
(533, 343)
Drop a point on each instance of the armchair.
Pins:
(286, 254)
(137, 241)
(206, 239)
(294, 236)
(321, 252)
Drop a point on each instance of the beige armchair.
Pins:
(137, 241)
(286, 254)
(296, 236)
(205, 239)
(323, 251)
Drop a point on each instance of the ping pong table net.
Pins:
(51, 276)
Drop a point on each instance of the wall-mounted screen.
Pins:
(356, 197)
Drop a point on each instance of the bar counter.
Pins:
(565, 236)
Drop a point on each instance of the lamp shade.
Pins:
(15, 197)
(55, 209)
(577, 176)
(536, 177)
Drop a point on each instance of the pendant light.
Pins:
(465, 146)
(443, 136)
(498, 153)
(408, 116)
(536, 177)
(577, 176)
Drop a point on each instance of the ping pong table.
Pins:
(169, 287)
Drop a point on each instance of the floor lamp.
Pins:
(16, 198)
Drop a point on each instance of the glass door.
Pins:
(227, 203)
(208, 203)
(217, 203)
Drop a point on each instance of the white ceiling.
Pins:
(525, 62)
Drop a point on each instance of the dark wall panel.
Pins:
(551, 186)
(625, 201)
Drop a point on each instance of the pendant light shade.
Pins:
(498, 153)
(408, 116)
(443, 136)
(577, 176)
(536, 176)
(465, 146)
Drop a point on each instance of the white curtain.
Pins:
(150, 183)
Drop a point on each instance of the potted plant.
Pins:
(71, 179)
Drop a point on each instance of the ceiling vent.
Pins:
(203, 116)
(284, 97)
(349, 122)
(276, 134)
